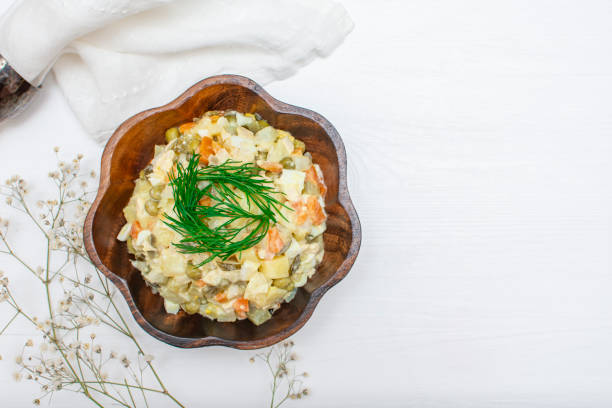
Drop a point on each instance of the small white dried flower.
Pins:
(17, 376)
(29, 343)
(124, 360)
(148, 358)
(56, 149)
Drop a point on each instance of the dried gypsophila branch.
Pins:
(286, 383)
(64, 361)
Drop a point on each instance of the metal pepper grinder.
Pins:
(15, 92)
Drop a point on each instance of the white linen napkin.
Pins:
(115, 58)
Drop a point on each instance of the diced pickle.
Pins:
(151, 207)
(181, 146)
(192, 307)
(172, 134)
(295, 265)
(311, 188)
(193, 272)
(130, 245)
(156, 191)
(258, 316)
(257, 125)
(193, 144)
(226, 266)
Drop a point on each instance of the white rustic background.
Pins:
(479, 140)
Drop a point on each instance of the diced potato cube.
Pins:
(171, 307)
(276, 268)
(257, 289)
(245, 133)
(173, 263)
(164, 236)
(243, 120)
(213, 278)
(264, 139)
(302, 163)
(291, 182)
(130, 211)
(248, 269)
(248, 255)
(275, 295)
(279, 151)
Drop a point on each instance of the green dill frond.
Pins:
(226, 186)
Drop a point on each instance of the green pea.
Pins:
(156, 192)
(151, 207)
(288, 163)
(172, 134)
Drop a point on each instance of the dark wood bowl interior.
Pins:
(131, 148)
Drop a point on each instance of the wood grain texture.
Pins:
(131, 148)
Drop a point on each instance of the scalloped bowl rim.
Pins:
(343, 199)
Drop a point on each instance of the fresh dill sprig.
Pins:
(243, 225)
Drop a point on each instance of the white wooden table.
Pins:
(479, 139)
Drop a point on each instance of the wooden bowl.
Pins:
(130, 149)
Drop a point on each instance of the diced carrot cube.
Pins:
(311, 175)
(136, 228)
(241, 307)
(272, 166)
(315, 212)
(275, 242)
(186, 126)
(206, 149)
(205, 201)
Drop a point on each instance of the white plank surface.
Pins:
(479, 137)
